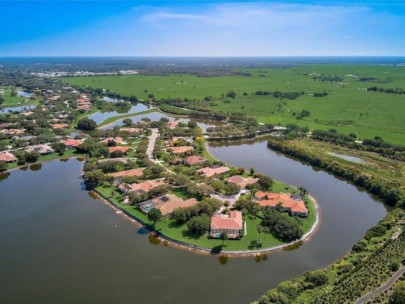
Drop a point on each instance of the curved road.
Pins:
(382, 288)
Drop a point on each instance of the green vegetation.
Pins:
(346, 104)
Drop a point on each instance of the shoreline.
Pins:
(167, 241)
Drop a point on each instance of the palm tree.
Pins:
(224, 236)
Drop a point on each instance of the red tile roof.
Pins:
(209, 172)
(287, 202)
(194, 160)
(7, 157)
(138, 172)
(122, 149)
(241, 181)
(72, 142)
(181, 149)
(226, 222)
(144, 186)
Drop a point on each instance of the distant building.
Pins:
(71, 143)
(41, 149)
(181, 149)
(118, 176)
(194, 160)
(143, 187)
(122, 149)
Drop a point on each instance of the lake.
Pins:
(99, 117)
(17, 109)
(63, 246)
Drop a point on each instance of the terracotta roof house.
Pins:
(41, 149)
(232, 224)
(117, 140)
(71, 143)
(167, 203)
(7, 157)
(59, 126)
(210, 172)
(181, 149)
(290, 203)
(122, 149)
(241, 181)
(117, 176)
(143, 187)
(54, 98)
(194, 160)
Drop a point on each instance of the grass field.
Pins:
(11, 101)
(348, 108)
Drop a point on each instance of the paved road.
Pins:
(382, 288)
(152, 142)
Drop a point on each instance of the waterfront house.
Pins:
(7, 157)
(289, 203)
(232, 224)
(41, 149)
(167, 203)
(212, 171)
(241, 181)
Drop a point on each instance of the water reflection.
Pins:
(4, 175)
(294, 246)
(223, 259)
(36, 167)
(153, 239)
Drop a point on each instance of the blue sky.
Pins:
(202, 28)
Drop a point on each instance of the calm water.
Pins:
(17, 109)
(98, 117)
(24, 94)
(62, 246)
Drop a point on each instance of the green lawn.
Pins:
(347, 108)
(169, 228)
(14, 101)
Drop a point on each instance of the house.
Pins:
(212, 171)
(194, 160)
(118, 176)
(123, 160)
(116, 140)
(122, 149)
(290, 203)
(7, 157)
(143, 187)
(12, 131)
(59, 126)
(232, 224)
(71, 143)
(54, 98)
(41, 149)
(167, 203)
(181, 149)
(241, 181)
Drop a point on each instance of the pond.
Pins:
(99, 117)
(64, 246)
(24, 94)
(17, 109)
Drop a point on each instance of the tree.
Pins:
(265, 183)
(32, 157)
(86, 124)
(199, 224)
(252, 171)
(94, 178)
(231, 94)
(154, 215)
(192, 124)
(3, 166)
(1, 100)
(224, 236)
(127, 121)
(59, 148)
(398, 296)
